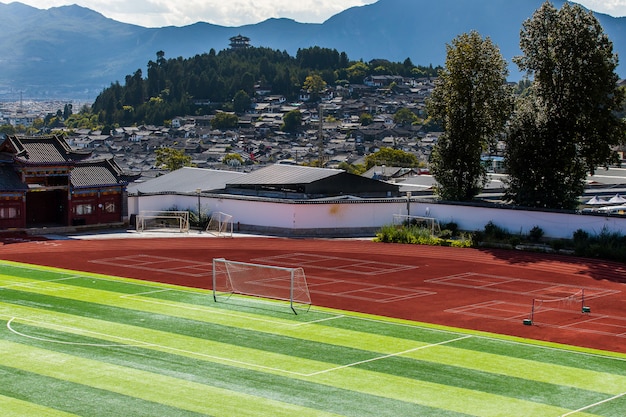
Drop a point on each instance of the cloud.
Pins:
(158, 13)
(611, 7)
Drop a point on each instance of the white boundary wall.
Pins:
(353, 217)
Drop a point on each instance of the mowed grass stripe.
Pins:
(443, 385)
(77, 398)
(14, 407)
(497, 364)
(278, 387)
(174, 392)
(373, 383)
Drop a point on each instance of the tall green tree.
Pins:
(566, 125)
(172, 159)
(241, 102)
(472, 102)
(292, 120)
(404, 116)
(314, 84)
(223, 120)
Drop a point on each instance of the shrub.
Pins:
(452, 227)
(496, 232)
(535, 234)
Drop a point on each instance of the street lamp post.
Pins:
(408, 203)
(198, 191)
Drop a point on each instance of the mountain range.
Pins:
(75, 52)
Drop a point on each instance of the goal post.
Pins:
(220, 224)
(263, 281)
(424, 222)
(162, 221)
(554, 309)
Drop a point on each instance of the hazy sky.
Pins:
(157, 13)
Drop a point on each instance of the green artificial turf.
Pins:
(73, 343)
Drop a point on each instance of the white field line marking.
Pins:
(35, 283)
(213, 311)
(62, 342)
(502, 340)
(145, 293)
(139, 343)
(388, 356)
(306, 323)
(593, 405)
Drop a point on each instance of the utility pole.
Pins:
(320, 134)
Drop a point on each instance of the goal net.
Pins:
(264, 281)
(429, 223)
(557, 310)
(220, 224)
(162, 221)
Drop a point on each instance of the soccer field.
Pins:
(75, 343)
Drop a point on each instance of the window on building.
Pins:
(109, 207)
(83, 209)
(9, 213)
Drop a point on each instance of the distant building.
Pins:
(239, 42)
(43, 182)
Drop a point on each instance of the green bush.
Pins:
(495, 232)
(535, 234)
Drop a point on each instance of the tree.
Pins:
(232, 159)
(566, 125)
(314, 84)
(223, 120)
(404, 116)
(291, 121)
(241, 102)
(172, 159)
(366, 119)
(471, 101)
(391, 157)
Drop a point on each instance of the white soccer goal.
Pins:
(429, 223)
(264, 281)
(162, 221)
(552, 310)
(220, 224)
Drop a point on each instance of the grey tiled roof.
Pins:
(10, 180)
(43, 150)
(96, 173)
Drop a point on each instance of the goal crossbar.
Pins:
(152, 220)
(263, 281)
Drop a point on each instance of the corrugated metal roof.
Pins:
(279, 174)
(186, 180)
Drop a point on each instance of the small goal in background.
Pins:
(220, 224)
(162, 221)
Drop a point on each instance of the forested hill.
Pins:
(70, 51)
(227, 80)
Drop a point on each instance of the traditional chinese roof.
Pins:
(97, 173)
(41, 150)
(10, 180)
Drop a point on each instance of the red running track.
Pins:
(487, 290)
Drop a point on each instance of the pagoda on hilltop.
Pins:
(239, 42)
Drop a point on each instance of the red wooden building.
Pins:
(43, 182)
